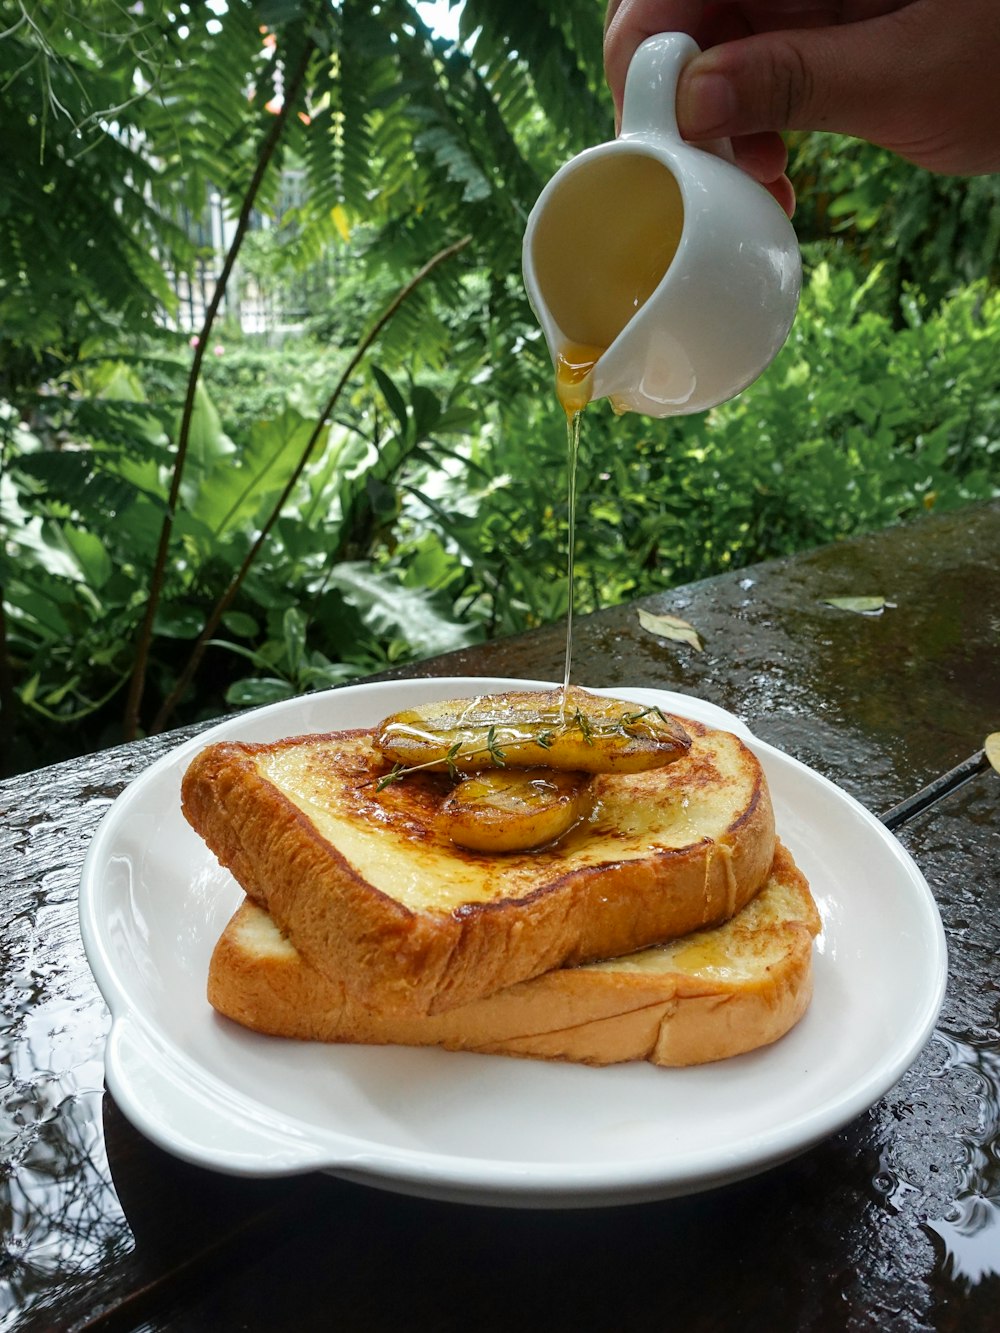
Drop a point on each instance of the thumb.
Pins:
(864, 78)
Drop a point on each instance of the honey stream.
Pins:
(574, 368)
(597, 272)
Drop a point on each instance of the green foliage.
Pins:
(855, 426)
(432, 511)
(935, 231)
(112, 129)
(249, 382)
(83, 525)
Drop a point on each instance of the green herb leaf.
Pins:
(394, 774)
(586, 730)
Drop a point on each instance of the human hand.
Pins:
(914, 76)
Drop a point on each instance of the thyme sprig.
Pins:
(498, 756)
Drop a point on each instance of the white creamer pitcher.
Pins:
(674, 265)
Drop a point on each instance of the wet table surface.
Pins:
(893, 1223)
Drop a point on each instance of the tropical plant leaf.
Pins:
(388, 608)
(256, 691)
(229, 493)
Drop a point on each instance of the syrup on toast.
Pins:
(377, 898)
(713, 994)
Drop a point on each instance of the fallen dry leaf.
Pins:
(863, 606)
(670, 627)
(991, 748)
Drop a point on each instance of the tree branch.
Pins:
(8, 697)
(145, 635)
(226, 600)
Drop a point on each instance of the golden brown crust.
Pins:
(721, 992)
(635, 873)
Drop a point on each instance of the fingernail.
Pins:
(706, 104)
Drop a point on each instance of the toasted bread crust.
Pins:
(598, 893)
(718, 993)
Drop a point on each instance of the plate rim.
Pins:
(470, 1178)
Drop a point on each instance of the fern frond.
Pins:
(557, 43)
(77, 483)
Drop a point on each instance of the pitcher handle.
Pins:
(651, 85)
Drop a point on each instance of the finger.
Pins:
(784, 192)
(765, 157)
(913, 81)
(762, 156)
(868, 79)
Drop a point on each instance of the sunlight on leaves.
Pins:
(670, 627)
(340, 221)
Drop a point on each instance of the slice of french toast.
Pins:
(376, 896)
(713, 994)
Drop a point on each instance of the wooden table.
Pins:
(893, 1223)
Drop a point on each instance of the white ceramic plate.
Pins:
(480, 1128)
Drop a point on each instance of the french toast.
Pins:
(377, 898)
(713, 994)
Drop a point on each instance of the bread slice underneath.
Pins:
(375, 895)
(716, 993)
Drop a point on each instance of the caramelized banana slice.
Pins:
(579, 731)
(516, 810)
